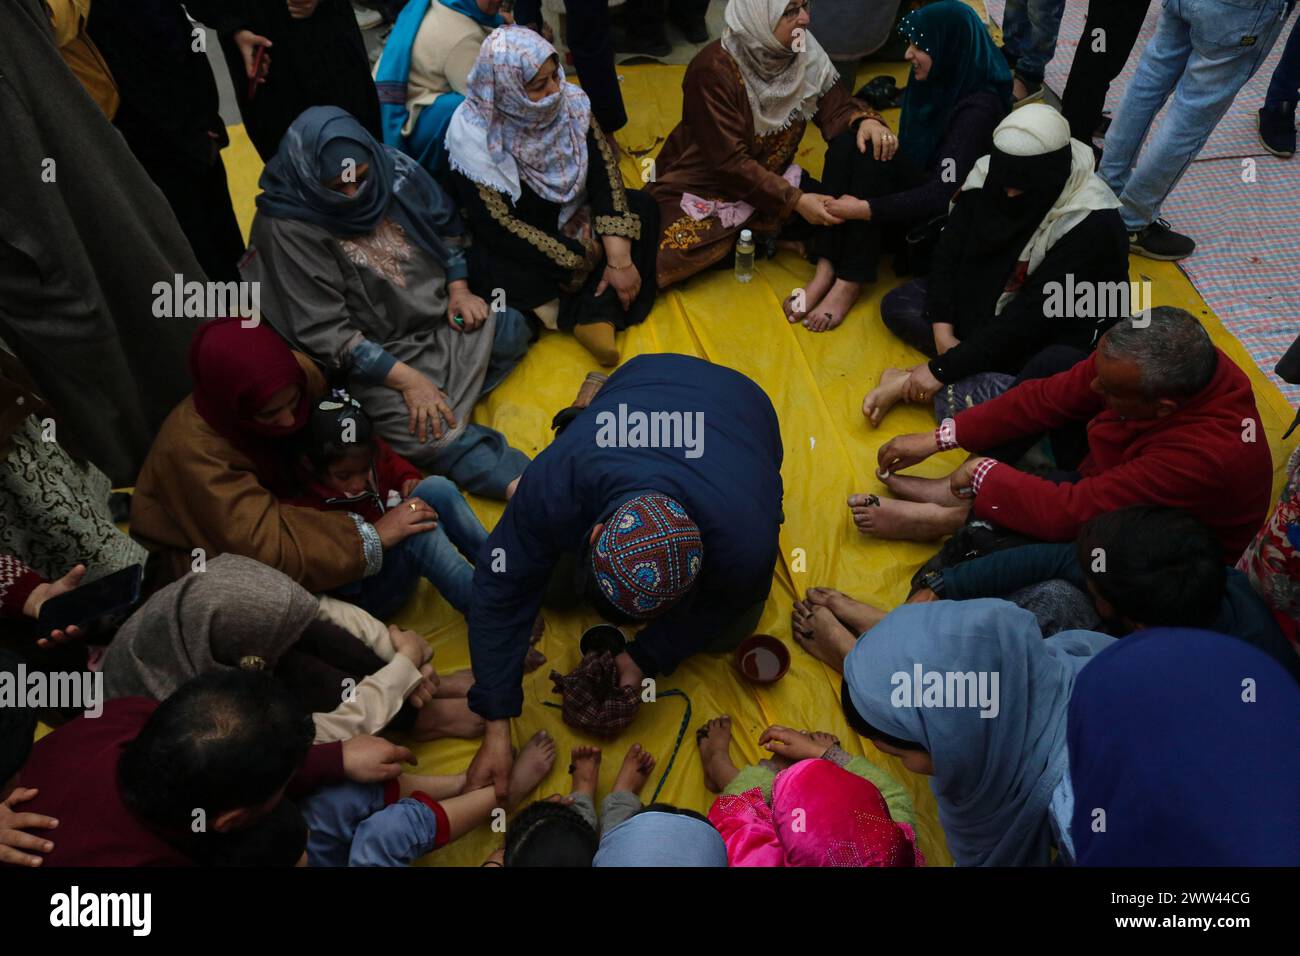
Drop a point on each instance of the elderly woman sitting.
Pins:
(554, 228)
(747, 100)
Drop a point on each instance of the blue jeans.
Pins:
(1029, 32)
(444, 556)
(1203, 52)
(1285, 85)
(348, 825)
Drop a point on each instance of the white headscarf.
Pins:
(1033, 130)
(783, 84)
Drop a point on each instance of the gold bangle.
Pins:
(610, 265)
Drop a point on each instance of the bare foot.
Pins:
(935, 491)
(855, 615)
(447, 717)
(637, 767)
(820, 633)
(455, 684)
(584, 764)
(821, 283)
(714, 739)
(887, 394)
(905, 520)
(833, 307)
(531, 766)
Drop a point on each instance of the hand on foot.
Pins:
(935, 491)
(887, 394)
(791, 745)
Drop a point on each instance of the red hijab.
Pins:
(236, 370)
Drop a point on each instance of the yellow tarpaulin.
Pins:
(817, 383)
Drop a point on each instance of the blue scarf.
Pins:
(993, 776)
(966, 60)
(1187, 771)
(395, 64)
(310, 155)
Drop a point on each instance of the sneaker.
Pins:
(645, 38)
(694, 29)
(1158, 241)
(1277, 129)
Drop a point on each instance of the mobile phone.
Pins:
(96, 606)
(257, 71)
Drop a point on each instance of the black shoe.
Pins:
(1277, 129)
(694, 29)
(652, 42)
(1158, 241)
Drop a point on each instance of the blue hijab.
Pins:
(313, 152)
(966, 61)
(395, 68)
(656, 838)
(1187, 770)
(993, 776)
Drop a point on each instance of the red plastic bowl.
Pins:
(762, 659)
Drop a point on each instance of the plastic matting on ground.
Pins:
(817, 383)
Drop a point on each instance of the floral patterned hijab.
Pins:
(499, 137)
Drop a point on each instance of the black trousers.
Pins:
(1114, 25)
(592, 45)
(855, 246)
(200, 197)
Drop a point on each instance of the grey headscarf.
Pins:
(238, 608)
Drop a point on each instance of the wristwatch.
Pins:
(934, 581)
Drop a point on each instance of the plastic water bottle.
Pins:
(745, 256)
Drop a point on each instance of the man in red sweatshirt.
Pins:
(1170, 420)
(149, 784)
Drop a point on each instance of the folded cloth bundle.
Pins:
(592, 699)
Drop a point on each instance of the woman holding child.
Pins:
(232, 457)
(356, 251)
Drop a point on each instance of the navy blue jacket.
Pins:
(732, 491)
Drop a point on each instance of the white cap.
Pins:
(1032, 130)
(746, 236)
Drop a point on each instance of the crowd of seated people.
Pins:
(1115, 606)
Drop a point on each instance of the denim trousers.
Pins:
(444, 556)
(1203, 53)
(1029, 31)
